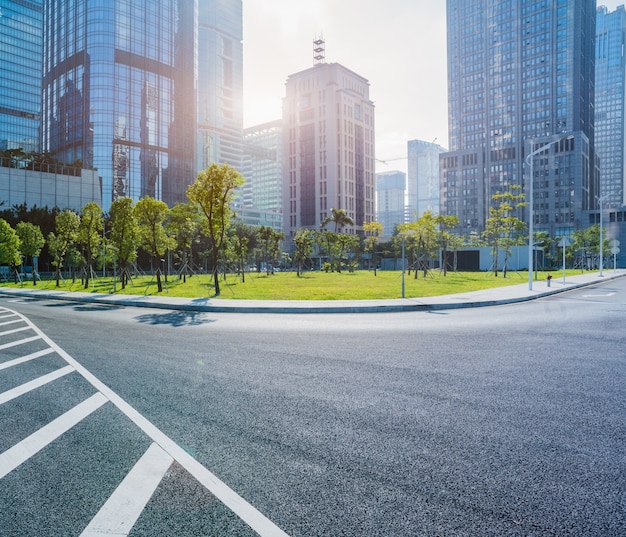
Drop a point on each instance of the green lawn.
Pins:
(359, 285)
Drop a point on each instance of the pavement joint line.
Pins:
(27, 358)
(16, 392)
(19, 342)
(25, 449)
(233, 501)
(120, 512)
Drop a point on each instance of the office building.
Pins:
(20, 77)
(609, 110)
(328, 148)
(390, 200)
(521, 76)
(147, 92)
(423, 178)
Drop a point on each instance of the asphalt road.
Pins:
(507, 420)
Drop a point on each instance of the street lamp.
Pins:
(404, 235)
(600, 200)
(531, 217)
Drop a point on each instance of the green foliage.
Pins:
(31, 242)
(303, 243)
(339, 217)
(151, 215)
(9, 245)
(90, 235)
(373, 232)
(213, 191)
(66, 225)
(124, 234)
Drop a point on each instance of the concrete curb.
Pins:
(477, 299)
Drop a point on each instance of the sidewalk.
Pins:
(487, 297)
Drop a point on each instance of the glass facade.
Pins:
(20, 83)
(423, 178)
(119, 90)
(520, 74)
(390, 204)
(609, 113)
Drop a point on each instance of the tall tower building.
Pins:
(328, 148)
(390, 204)
(609, 111)
(20, 79)
(520, 76)
(423, 178)
(148, 92)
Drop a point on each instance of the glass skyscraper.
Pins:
(610, 118)
(148, 92)
(423, 178)
(521, 75)
(20, 80)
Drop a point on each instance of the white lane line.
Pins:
(14, 331)
(8, 316)
(34, 384)
(20, 342)
(244, 510)
(24, 450)
(13, 321)
(120, 512)
(28, 357)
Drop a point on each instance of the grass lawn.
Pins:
(359, 285)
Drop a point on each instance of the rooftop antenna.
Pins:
(319, 50)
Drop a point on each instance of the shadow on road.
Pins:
(175, 318)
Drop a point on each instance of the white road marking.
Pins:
(120, 512)
(24, 450)
(13, 321)
(28, 357)
(34, 384)
(20, 342)
(598, 295)
(14, 331)
(244, 510)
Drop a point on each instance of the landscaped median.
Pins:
(358, 285)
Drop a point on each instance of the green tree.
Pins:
(125, 237)
(303, 243)
(213, 191)
(31, 243)
(373, 232)
(339, 217)
(9, 246)
(66, 225)
(243, 239)
(446, 223)
(503, 229)
(151, 215)
(183, 225)
(422, 242)
(90, 236)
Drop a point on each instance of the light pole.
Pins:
(404, 235)
(531, 215)
(600, 200)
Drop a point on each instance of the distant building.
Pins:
(520, 76)
(423, 178)
(610, 118)
(328, 148)
(20, 75)
(390, 200)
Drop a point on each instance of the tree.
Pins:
(503, 229)
(422, 241)
(243, 239)
(373, 230)
(183, 225)
(303, 243)
(151, 214)
(125, 238)
(66, 225)
(31, 242)
(9, 246)
(339, 217)
(90, 235)
(445, 223)
(213, 191)
(588, 241)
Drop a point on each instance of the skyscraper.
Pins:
(390, 204)
(423, 178)
(148, 92)
(609, 112)
(20, 80)
(520, 76)
(328, 141)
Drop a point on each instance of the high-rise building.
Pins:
(20, 77)
(390, 202)
(520, 76)
(423, 178)
(328, 148)
(148, 92)
(609, 110)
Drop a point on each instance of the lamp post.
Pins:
(531, 215)
(404, 235)
(600, 200)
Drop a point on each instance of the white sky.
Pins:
(398, 45)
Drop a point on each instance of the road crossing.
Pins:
(29, 362)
